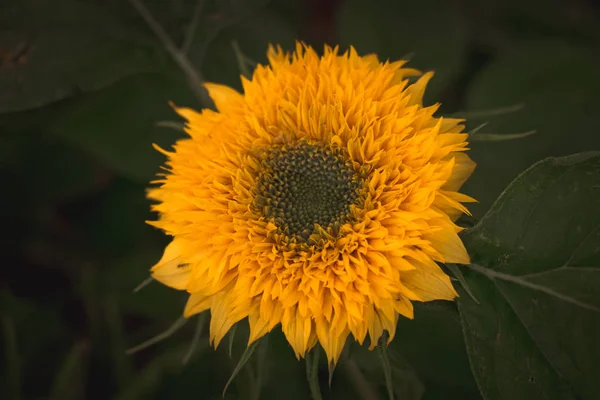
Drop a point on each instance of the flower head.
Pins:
(321, 199)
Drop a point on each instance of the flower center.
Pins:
(305, 186)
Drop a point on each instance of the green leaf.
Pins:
(536, 273)
(143, 284)
(120, 277)
(553, 81)
(55, 50)
(393, 29)
(178, 126)
(69, 382)
(200, 322)
(312, 372)
(382, 350)
(28, 319)
(405, 382)
(498, 21)
(55, 171)
(257, 372)
(495, 137)
(231, 338)
(286, 374)
(12, 366)
(503, 356)
(252, 34)
(243, 360)
(121, 363)
(117, 226)
(147, 382)
(245, 64)
(488, 113)
(160, 337)
(438, 359)
(118, 124)
(457, 272)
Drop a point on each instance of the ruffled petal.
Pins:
(172, 270)
(225, 98)
(445, 241)
(429, 282)
(197, 303)
(463, 169)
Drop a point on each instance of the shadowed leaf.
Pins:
(312, 372)
(243, 360)
(536, 273)
(160, 337)
(200, 322)
(385, 365)
(231, 339)
(56, 50)
(69, 381)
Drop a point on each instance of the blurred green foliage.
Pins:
(83, 84)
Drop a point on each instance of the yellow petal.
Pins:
(417, 89)
(225, 98)
(188, 113)
(196, 304)
(451, 125)
(375, 327)
(223, 313)
(172, 270)
(405, 307)
(463, 169)
(372, 60)
(358, 327)
(409, 167)
(389, 319)
(429, 282)
(446, 241)
(400, 263)
(258, 326)
(450, 203)
(276, 56)
(299, 331)
(402, 73)
(330, 339)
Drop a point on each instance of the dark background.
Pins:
(83, 84)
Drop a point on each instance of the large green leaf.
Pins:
(21, 321)
(536, 273)
(427, 357)
(155, 376)
(54, 50)
(437, 358)
(285, 375)
(555, 82)
(45, 168)
(387, 371)
(118, 124)
(432, 31)
(498, 21)
(253, 33)
(70, 377)
(117, 226)
(126, 248)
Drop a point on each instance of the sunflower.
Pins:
(321, 199)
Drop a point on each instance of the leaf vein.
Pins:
(537, 203)
(589, 235)
(531, 285)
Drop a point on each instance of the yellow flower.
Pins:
(321, 199)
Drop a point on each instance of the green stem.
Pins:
(194, 76)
